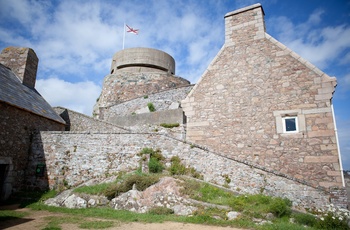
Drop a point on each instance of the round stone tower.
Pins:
(137, 72)
(143, 60)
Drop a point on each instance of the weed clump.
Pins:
(151, 107)
(141, 181)
(155, 164)
(280, 207)
(161, 211)
(177, 168)
(305, 219)
(171, 125)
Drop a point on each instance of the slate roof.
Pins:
(13, 92)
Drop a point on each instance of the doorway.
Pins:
(3, 175)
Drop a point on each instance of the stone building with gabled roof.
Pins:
(23, 111)
(260, 102)
(260, 120)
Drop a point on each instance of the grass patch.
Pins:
(24, 198)
(96, 224)
(305, 219)
(94, 189)
(206, 192)
(258, 205)
(161, 211)
(169, 126)
(281, 224)
(55, 222)
(249, 206)
(11, 215)
(123, 184)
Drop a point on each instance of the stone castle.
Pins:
(260, 115)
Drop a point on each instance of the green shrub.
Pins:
(332, 217)
(146, 151)
(177, 169)
(157, 155)
(305, 219)
(165, 125)
(280, 207)
(161, 211)
(145, 97)
(151, 107)
(155, 166)
(330, 222)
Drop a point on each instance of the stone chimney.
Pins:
(245, 25)
(23, 62)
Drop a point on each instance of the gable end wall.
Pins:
(236, 107)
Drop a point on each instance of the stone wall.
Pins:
(16, 133)
(238, 105)
(80, 122)
(73, 160)
(124, 86)
(165, 100)
(158, 117)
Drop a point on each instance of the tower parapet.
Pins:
(143, 60)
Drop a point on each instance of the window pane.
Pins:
(290, 124)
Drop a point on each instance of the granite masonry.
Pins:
(254, 86)
(72, 159)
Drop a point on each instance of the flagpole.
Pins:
(123, 35)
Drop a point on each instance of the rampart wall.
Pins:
(124, 86)
(73, 157)
(165, 100)
(166, 116)
(80, 122)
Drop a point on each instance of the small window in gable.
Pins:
(290, 124)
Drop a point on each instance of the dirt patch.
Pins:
(38, 220)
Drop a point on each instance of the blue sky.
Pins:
(75, 41)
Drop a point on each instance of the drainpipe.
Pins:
(336, 138)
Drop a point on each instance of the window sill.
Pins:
(292, 135)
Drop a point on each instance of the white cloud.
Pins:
(318, 45)
(79, 96)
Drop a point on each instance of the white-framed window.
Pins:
(290, 121)
(290, 124)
